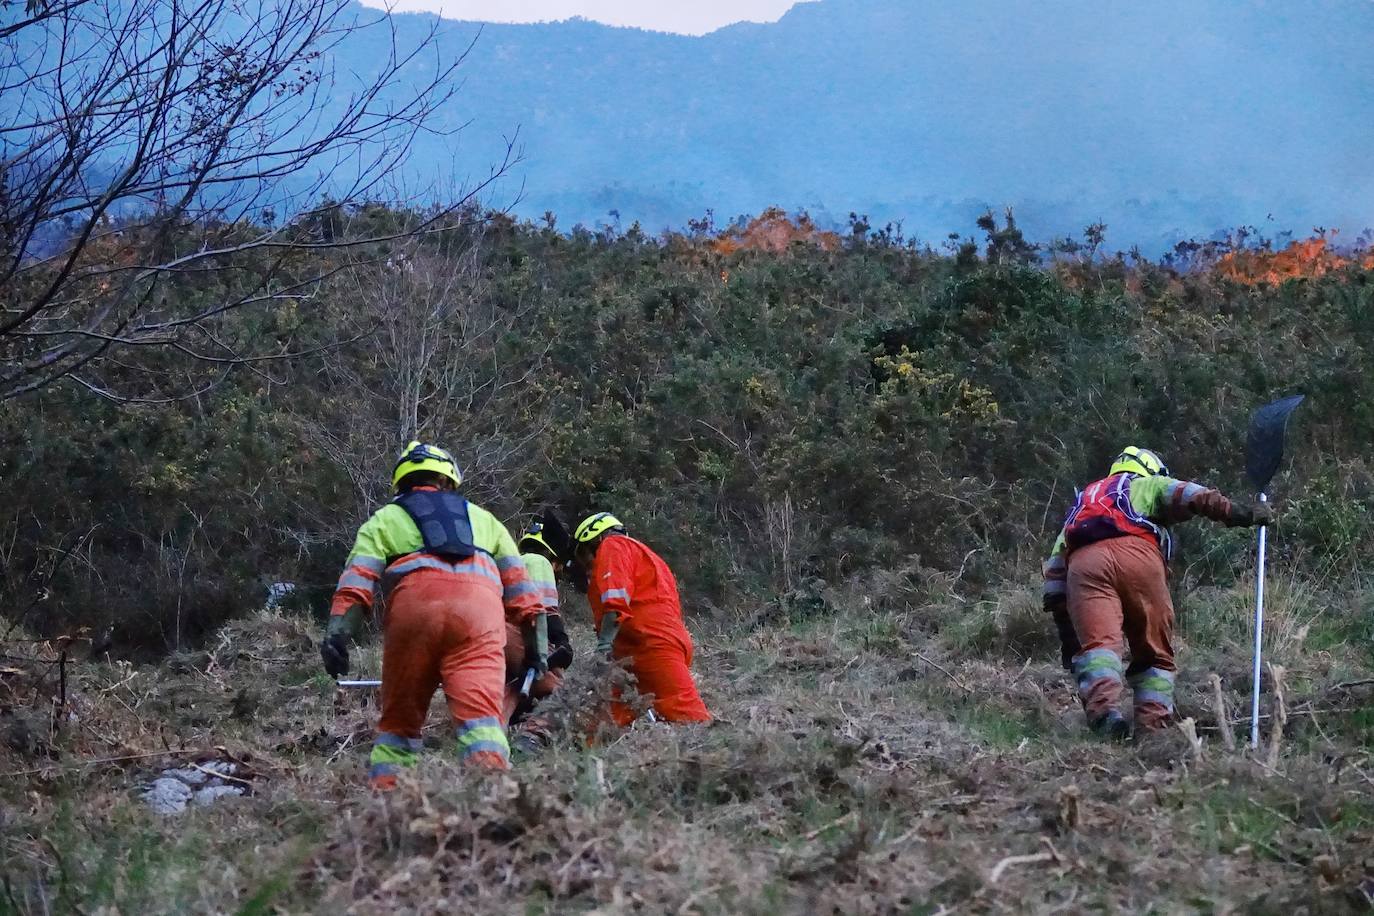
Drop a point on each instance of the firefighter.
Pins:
(1105, 583)
(543, 547)
(638, 618)
(452, 578)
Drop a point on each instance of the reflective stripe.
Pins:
(1153, 685)
(500, 748)
(1098, 658)
(393, 756)
(1096, 665)
(477, 566)
(1182, 492)
(1166, 700)
(485, 734)
(484, 722)
(521, 588)
(387, 739)
(370, 564)
(1153, 679)
(382, 769)
(615, 593)
(505, 563)
(549, 595)
(351, 579)
(1055, 563)
(1055, 587)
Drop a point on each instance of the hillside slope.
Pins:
(857, 765)
(1165, 120)
(852, 450)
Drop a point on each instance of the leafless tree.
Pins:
(433, 366)
(148, 145)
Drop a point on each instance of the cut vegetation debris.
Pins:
(843, 775)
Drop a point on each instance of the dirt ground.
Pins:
(856, 765)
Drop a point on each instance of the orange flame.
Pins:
(1306, 259)
(774, 231)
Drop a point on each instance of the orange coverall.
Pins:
(1118, 597)
(445, 624)
(632, 581)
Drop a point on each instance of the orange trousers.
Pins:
(662, 670)
(441, 630)
(515, 710)
(1119, 597)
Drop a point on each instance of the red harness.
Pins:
(1104, 510)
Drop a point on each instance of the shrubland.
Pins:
(853, 449)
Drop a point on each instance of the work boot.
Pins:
(1113, 726)
(526, 745)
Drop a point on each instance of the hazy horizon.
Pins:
(696, 18)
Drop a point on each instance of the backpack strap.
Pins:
(442, 517)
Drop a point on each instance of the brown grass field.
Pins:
(922, 754)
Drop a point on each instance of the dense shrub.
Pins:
(770, 417)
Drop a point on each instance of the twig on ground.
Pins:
(1280, 714)
(697, 895)
(219, 775)
(99, 760)
(576, 857)
(1189, 729)
(945, 671)
(822, 829)
(1228, 738)
(1049, 855)
(1360, 683)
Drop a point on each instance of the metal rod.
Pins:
(1259, 636)
(359, 683)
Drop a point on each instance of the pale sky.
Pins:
(689, 17)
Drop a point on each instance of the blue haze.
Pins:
(1165, 119)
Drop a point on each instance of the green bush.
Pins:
(765, 419)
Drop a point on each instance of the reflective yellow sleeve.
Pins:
(519, 594)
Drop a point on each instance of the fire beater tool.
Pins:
(1263, 454)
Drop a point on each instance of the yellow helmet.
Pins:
(593, 526)
(1134, 460)
(535, 534)
(420, 456)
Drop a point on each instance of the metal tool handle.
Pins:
(1259, 636)
(359, 683)
(527, 683)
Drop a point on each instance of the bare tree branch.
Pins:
(145, 142)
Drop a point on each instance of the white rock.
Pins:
(212, 794)
(191, 777)
(167, 796)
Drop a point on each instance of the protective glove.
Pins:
(334, 651)
(605, 637)
(1243, 515)
(1057, 606)
(560, 646)
(537, 644)
(334, 647)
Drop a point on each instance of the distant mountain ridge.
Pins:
(1165, 120)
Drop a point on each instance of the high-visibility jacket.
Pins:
(1128, 505)
(389, 546)
(545, 582)
(634, 582)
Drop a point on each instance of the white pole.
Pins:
(1259, 637)
(359, 683)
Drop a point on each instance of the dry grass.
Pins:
(855, 767)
